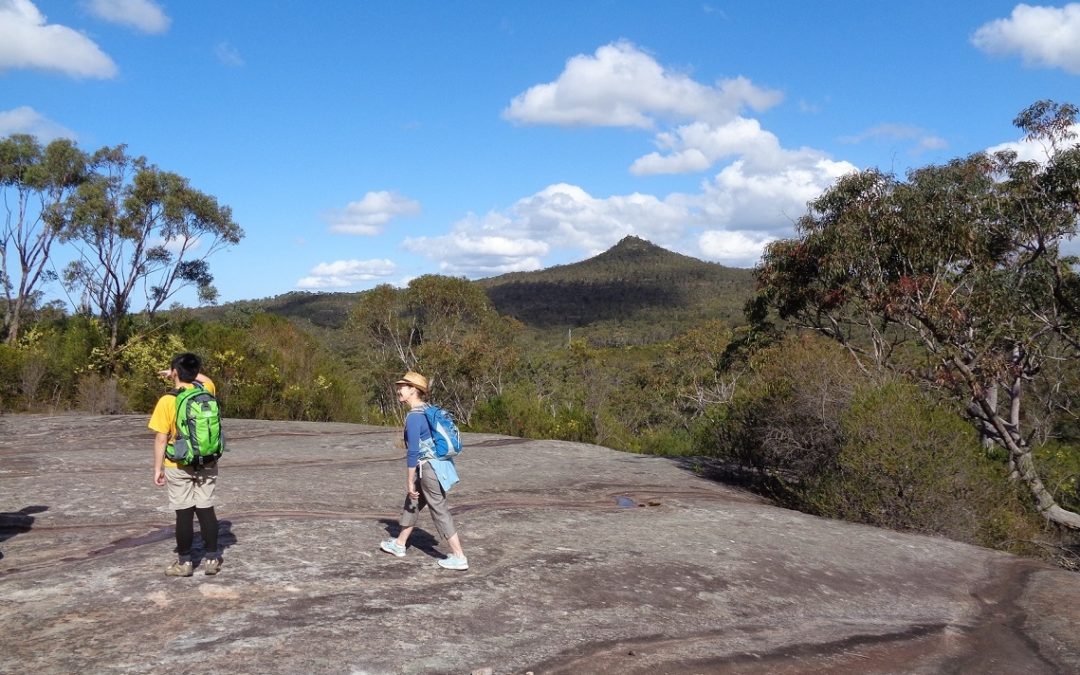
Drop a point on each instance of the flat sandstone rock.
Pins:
(583, 560)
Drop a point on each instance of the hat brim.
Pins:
(411, 384)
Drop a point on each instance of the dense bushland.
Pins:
(264, 368)
(821, 435)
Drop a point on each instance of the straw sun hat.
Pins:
(414, 380)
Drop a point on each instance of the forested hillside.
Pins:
(634, 293)
(652, 293)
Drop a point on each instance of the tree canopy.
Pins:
(444, 327)
(954, 275)
(136, 227)
(35, 182)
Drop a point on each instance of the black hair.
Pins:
(187, 367)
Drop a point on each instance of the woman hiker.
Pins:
(427, 479)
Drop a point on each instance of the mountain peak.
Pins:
(632, 246)
(634, 243)
(633, 282)
(637, 251)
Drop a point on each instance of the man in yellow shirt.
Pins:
(191, 491)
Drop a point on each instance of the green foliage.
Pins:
(44, 368)
(784, 418)
(954, 276)
(10, 369)
(140, 360)
(35, 184)
(821, 435)
(517, 411)
(664, 441)
(266, 368)
(443, 327)
(907, 462)
(135, 226)
(1060, 463)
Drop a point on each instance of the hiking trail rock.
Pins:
(581, 559)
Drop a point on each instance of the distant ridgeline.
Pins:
(634, 282)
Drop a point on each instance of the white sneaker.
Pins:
(393, 548)
(454, 563)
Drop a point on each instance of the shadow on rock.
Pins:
(729, 473)
(420, 539)
(18, 522)
(226, 538)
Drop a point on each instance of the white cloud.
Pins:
(738, 249)
(27, 41)
(26, 120)
(566, 216)
(730, 220)
(471, 250)
(143, 15)
(742, 198)
(921, 139)
(930, 142)
(1031, 151)
(620, 85)
(178, 245)
(753, 200)
(370, 214)
(697, 146)
(766, 186)
(228, 55)
(347, 273)
(1042, 36)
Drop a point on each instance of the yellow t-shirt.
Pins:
(163, 419)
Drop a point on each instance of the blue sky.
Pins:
(361, 143)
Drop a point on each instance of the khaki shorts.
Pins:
(189, 488)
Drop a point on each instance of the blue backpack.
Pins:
(444, 432)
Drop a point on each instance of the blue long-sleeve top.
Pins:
(416, 430)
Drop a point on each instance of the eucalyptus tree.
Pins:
(955, 275)
(35, 181)
(141, 235)
(443, 326)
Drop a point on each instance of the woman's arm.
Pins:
(415, 425)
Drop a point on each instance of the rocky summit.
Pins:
(582, 560)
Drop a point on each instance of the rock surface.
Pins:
(583, 560)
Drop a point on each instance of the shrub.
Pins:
(1059, 464)
(670, 442)
(140, 360)
(100, 395)
(819, 435)
(908, 462)
(11, 364)
(784, 419)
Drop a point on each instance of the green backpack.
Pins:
(198, 428)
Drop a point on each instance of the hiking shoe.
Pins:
(454, 563)
(393, 548)
(179, 569)
(211, 566)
